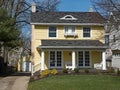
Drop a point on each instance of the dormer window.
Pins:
(68, 17)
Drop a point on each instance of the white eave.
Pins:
(85, 24)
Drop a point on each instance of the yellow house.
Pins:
(67, 40)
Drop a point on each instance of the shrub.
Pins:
(111, 70)
(48, 72)
(76, 70)
(65, 70)
(118, 72)
(86, 70)
(45, 73)
(54, 72)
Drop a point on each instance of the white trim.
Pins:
(56, 32)
(103, 61)
(72, 33)
(84, 59)
(84, 24)
(71, 17)
(55, 59)
(90, 32)
(42, 60)
(73, 60)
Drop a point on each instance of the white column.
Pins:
(103, 61)
(73, 60)
(42, 60)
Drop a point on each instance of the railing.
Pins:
(98, 65)
(35, 68)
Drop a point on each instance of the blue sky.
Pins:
(74, 5)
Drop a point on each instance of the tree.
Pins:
(9, 33)
(47, 5)
(106, 6)
(15, 22)
(111, 10)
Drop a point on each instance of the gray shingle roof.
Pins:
(72, 44)
(54, 17)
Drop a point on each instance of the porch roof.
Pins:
(72, 44)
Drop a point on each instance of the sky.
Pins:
(74, 5)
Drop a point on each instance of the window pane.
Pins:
(52, 34)
(87, 58)
(86, 32)
(52, 31)
(69, 29)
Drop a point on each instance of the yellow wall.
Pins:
(96, 57)
(41, 32)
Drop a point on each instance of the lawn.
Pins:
(77, 82)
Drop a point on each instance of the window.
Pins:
(55, 59)
(86, 32)
(52, 31)
(114, 39)
(84, 58)
(69, 29)
(68, 17)
(107, 39)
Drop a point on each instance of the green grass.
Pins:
(77, 82)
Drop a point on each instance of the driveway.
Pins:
(15, 82)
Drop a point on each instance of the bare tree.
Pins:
(47, 5)
(111, 10)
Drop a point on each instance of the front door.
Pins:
(55, 59)
(83, 59)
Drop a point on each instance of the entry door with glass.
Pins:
(55, 59)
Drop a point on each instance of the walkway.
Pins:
(15, 82)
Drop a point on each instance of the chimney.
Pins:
(91, 9)
(33, 7)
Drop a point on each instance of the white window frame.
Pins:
(55, 59)
(49, 31)
(70, 30)
(83, 31)
(84, 59)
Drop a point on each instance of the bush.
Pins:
(110, 70)
(48, 72)
(65, 70)
(76, 70)
(86, 70)
(118, 72)
(54, 72)
(45, 73)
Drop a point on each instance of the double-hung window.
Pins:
(86, 32)
(52, 31)
(69, 29)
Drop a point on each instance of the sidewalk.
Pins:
(15, 82)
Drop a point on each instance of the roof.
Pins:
(72, 44)
(55, 17)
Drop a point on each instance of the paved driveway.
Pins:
(14, 83)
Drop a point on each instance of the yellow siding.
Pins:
(96, 57)
(41, 32)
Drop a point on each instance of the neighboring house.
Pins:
(20, 59)
(113, 28)
(67, 39)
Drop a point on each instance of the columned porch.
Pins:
(72, 54)
(60, 58)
